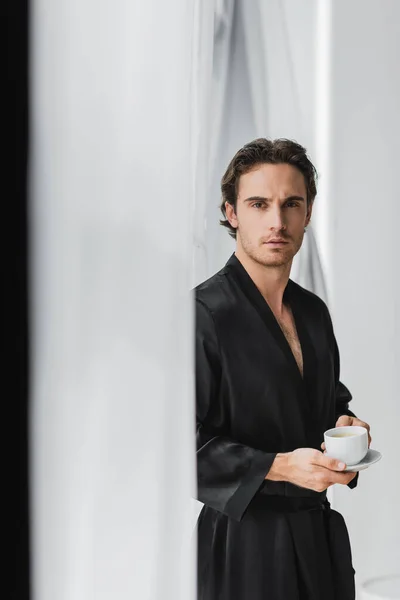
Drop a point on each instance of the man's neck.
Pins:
(270, 281)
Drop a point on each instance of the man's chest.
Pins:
(288, 326)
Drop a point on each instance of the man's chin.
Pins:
(278, 258)
(268, 257)
(273, 261)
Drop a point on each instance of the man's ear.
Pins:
(231, 215)
(309, 213)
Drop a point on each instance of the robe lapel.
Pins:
(257, 300)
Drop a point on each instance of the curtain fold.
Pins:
(280, 103)
(211, 62)
(202, 84)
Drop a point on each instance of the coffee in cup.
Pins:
(348, 444)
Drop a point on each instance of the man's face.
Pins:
(271, 205)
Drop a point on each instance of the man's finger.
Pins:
(344, 421)
(360, 423)
(323, 447)
(342, 478)
(328, 462)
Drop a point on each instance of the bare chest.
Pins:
(288, 326)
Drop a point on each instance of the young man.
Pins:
(267, 387)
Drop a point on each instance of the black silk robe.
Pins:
(258, 539)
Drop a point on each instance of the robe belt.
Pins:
(292, 504)
(289, 491)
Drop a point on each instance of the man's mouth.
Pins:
(277, 242)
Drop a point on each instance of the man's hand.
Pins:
(346, 421)
(309, 468)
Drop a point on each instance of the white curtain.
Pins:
(202, 72)
(281, 95)
(210, 68)
(231, 127)
(263, 86)
(111, 213)
(221, 60)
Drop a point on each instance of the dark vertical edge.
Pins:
(16, 261)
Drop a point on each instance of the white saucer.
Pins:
(369, 459)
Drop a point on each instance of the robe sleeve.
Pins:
(343, 396)
(229, 473)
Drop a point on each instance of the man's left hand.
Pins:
(346, 421)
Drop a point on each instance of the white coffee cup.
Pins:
(348, 444)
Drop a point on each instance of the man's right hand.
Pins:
(309, 468)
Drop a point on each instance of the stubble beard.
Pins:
(269, 257)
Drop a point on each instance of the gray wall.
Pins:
(365, 192)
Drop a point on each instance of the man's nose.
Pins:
(277, 220)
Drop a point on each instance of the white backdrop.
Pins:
(365, 195)
(128, 146)
(112, 434)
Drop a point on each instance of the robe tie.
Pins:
(338, 581)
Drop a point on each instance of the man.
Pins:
(267, 387)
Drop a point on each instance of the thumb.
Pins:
(344, 420)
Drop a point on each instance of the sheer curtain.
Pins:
(202, 127)
(211, 72)
(264, 77)
(281, 88)
(112, 159)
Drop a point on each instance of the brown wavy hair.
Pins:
(257, 152)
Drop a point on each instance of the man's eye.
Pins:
(292, 204)
(257, 204)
